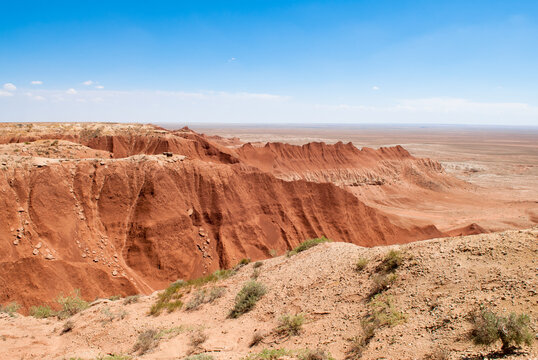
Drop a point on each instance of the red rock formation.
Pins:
(133, 224)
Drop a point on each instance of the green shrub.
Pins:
(290, 324)
(361, 264)
(383, 311)
(42, 312)
(391, 261)
(114, 297)
(257, 264)
(147, 340)
(305, 245)
(245, 300)
(10, 308)
(243, 262)
(489, 327)
(273, 253)
(169, 298)
(71, 304)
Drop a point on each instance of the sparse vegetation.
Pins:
(110, 316)
(255, 274)
(199, 357)
(10, 309)
(273, 253)
(245, 300)
(512, 330)
(269, 354)
(215, 293)
(42, 312)
(257, 264)
(381, 313)
(114, 297)
(171, 332)
(71, 304)
(391, 261)
(305, 245)
(301, 354)
(243, 262)
(147, 340)
(204, 296)
(131, 299)
(438, 354)
(382, 282)
(361, 264)
(115, 357)
(196, 300)
(315, 355)
(169, 299)
(290, 324)
(197, 338)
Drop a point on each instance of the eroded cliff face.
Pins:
(134, 221)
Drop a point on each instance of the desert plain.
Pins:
(150, 234)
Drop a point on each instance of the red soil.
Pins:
(135, 222)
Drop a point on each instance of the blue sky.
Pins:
(270, 61)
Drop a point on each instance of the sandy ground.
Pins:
(501, 162)
(438, 284)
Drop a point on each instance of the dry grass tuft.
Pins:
(245, 300)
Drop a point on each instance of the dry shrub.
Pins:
(391, 261)
(197, 338)
(257, 338)
(147, 340)
(361, 264)
(512, 330)
(131, 299)
(245, 300)
(68, 326)
(10, 309)
(290, 325)
(71, 304)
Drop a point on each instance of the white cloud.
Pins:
(71, 91)
(5, 93)
(375, 88)
(36, 82)
(88, 82)
(100, 87)
(10, 87)
(232, 59)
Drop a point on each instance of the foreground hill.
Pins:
(424, 308)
